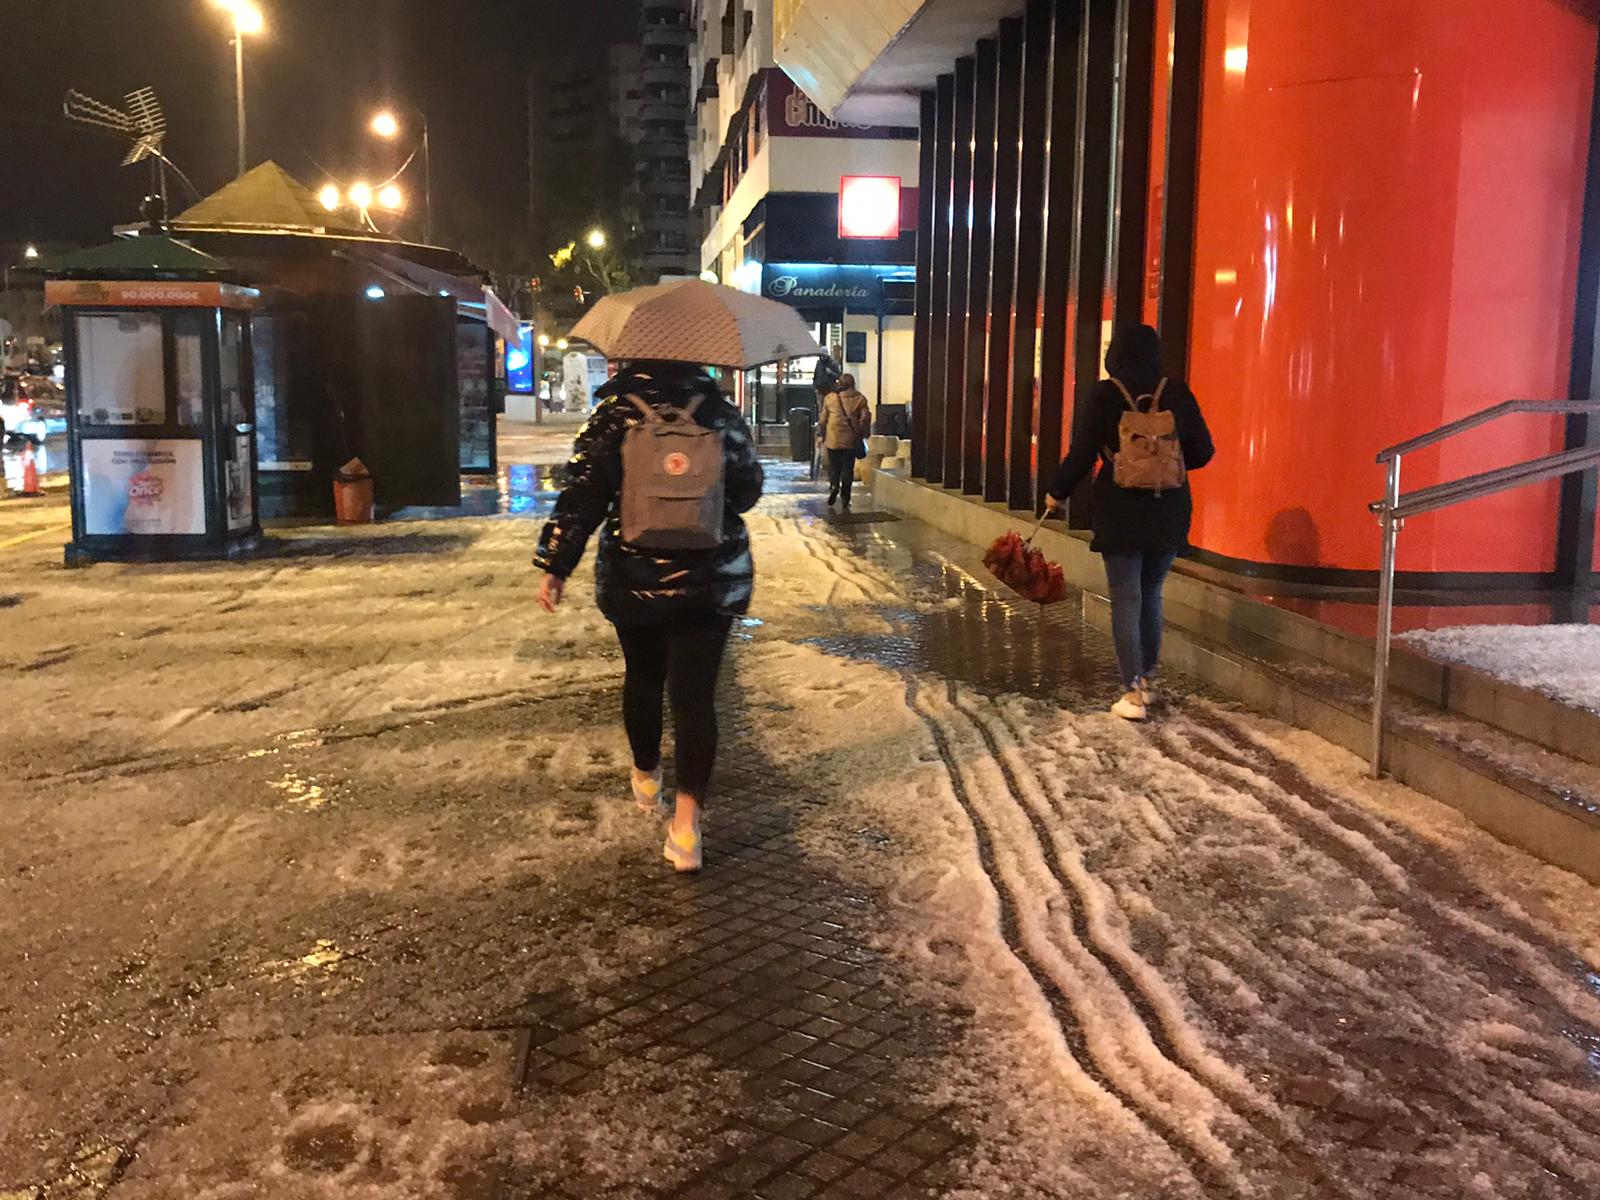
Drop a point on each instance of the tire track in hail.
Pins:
(1564, 1127)
(1201, 1170)
(1204, 1174)
(1270, 1134)
(1250, 755)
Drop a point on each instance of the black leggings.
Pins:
(683, 661)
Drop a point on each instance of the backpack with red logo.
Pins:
(672, 480)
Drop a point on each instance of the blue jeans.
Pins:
(1135, 581)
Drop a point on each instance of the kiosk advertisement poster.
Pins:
(153, 486)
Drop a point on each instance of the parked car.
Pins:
(32, 407)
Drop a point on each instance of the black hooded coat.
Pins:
(1130, 520)
(635, 586)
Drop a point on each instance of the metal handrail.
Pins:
(1394, 508)
(1505, 408)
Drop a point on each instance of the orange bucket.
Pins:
(352, 502)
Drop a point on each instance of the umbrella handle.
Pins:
(1037, 525)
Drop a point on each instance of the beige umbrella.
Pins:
(696, 322)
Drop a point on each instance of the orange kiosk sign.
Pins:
(137, 293)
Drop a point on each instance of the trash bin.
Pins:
(802, 434)
(352, 494)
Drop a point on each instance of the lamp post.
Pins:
(386, 125)
(247, 18)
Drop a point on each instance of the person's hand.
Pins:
(550, 593)
(1051, 505)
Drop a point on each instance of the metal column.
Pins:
(1003, 315)
(980, 267)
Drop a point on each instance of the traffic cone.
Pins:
(30, 473)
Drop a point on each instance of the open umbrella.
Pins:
(696, 322)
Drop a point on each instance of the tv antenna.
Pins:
(141, 121)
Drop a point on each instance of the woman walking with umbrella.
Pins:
(668, 468)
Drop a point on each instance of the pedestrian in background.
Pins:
(825, 378)
(1147, 433)
(673, 610)
(846, 422)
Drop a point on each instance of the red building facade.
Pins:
(1352, 223)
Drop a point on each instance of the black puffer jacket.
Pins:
(644, 587)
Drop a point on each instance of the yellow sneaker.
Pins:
(647, 795)
(684, 856)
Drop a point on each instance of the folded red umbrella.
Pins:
(1020, 567)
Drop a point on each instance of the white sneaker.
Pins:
(1130, 707)
(683, 857)
(647, 795)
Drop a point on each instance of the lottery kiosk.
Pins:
(160, 411)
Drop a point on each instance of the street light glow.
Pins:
(597, 239)
(562, 344)
(330, 196)
(361, 196)
(544, 341)
(386, 125)
(247, 17)
(392, 198)
(31, 252)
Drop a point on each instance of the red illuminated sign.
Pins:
(869, 206)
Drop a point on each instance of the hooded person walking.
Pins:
(1147, 433)
(674, 567)
(846, 422)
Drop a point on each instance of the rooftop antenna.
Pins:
(141, 121)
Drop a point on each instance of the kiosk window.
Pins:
(189, 334)
(234, 411)
(122, 377)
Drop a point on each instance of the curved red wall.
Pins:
(1387, 238)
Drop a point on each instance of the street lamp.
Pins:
(247, 19)
(330, 196)
(391, 198)
(361, 196)
(31, 252)
(597, 239)
(386, 124)
(562, 344)
(544, 341)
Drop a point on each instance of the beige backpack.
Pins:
(1149, 457)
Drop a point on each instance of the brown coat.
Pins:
(846, 420)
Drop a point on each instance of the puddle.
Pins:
(324, 958)
(326, 1149)
(301, 791)
(530, 487)
(968, 632)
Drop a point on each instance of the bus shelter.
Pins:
(160, 411)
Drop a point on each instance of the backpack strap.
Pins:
(1155, 397)
(669, 415)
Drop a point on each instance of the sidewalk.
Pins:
(316, 880)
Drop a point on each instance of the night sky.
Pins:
(314, 78)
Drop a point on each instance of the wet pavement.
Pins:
(337, 895)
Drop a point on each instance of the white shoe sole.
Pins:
(1129, 712)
